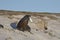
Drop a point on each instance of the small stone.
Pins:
(1, 26)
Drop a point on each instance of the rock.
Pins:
(1, 26)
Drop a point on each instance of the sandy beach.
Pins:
(52, 22)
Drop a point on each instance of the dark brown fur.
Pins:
(23, 24)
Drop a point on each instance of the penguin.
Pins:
(23, 24)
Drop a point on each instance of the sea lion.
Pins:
(23, 24)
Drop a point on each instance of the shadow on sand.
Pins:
(13, 25)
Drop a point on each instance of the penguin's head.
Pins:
(28, 15)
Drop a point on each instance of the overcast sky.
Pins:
(31, 5)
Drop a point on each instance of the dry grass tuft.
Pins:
(52, 17)
(8, 38)
(10, 17)
(42, 24)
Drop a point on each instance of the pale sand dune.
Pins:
(10, 33)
